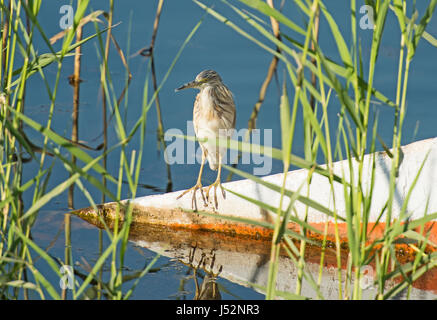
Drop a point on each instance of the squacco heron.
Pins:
(213, 117)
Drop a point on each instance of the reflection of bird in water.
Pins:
(208, 290)
(213, 117)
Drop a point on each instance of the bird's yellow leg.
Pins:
(197, 186)
(216, 184)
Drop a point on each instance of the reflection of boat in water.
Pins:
(245, 261)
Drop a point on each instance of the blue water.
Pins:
(242, 65)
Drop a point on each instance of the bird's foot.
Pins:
(198, 186)
(216, 184)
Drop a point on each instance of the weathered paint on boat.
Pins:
(167, 210)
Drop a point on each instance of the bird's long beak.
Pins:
(192, 84)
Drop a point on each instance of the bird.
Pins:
(214, 116)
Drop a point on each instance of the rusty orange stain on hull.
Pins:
(177, 219)
(375, 232)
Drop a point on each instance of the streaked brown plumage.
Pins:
(213, 116)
